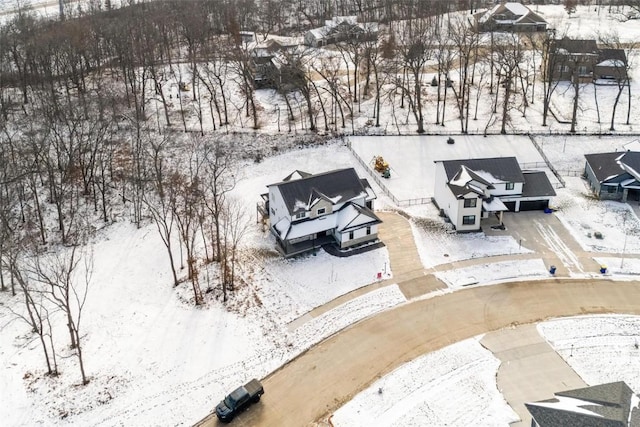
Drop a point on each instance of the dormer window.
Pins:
(300, 215)
(509, 186)
(321, 211)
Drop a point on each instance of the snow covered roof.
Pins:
(511, 12)
(492, 170)
(612, 165)
(612, 404)
(494, 205)
(349, 217)
(616, 63)
(340, 185)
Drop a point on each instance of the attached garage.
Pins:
(534, 205)
(511, 206)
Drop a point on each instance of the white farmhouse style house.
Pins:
(467, 191)
(308, 211)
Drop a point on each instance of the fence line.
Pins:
(383, 187)
(546, 160)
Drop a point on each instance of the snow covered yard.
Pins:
(455, 386)
(494, 272)
(600, 349)
(153, 359)
(427, 390)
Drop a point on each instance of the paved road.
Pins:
(331, 373)
(318, 382)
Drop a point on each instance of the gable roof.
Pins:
(492, 170)
(466, 181)
(518, 11)
(337, 186)
(612, 58)
(575, 46)
(605, 405)
(606, 166)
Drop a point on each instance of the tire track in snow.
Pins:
(555, 243)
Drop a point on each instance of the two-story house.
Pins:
(340, 28)
(308, 211)
(509, 17)
(466, 191)
(572, 59)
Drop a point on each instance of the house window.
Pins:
(582, 69)
(368, 231)
(321, 211)
(301, 215)
(611, 189)
(469, 219)
(510, 186)
(351, 235)
(470, 203)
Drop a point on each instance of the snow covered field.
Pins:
(155, 360)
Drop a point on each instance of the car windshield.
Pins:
(229, 402)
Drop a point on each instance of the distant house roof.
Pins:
(606, 166)
(605, 405)
(493, 170)
(576, 46)
(536, 184)
(517, 13)
(612, 58)
(338, 186)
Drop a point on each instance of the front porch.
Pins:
(287, 249)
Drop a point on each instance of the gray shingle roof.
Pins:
(605, 405)
(505, 169)
(536, 184)
(616, 54)
(342, 184)
(577, 46)
(605, 166)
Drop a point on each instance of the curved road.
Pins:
(319, 381)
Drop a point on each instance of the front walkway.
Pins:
(530, 369)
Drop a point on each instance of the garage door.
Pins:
(511, 206)
(534, 205)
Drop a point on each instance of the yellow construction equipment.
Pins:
(381, 166)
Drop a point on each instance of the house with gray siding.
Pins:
(614, 176)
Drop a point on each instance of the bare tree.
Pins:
(66, 285)
(509, 53)
(619, 63)
(235, 224)
(415, 50)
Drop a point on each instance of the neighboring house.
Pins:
(572, 58)
(584, 60)
(340, 28)
(467, 191)
(510, 17)
(307, 211)
(614, 176)
(611, 65)
(268, 61)
(604, 405)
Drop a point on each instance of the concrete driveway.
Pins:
(312, 386)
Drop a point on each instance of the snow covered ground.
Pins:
(429, 390)
(153, 359)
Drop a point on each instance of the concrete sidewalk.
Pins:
(530, 369)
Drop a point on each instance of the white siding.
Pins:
(277, 207)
